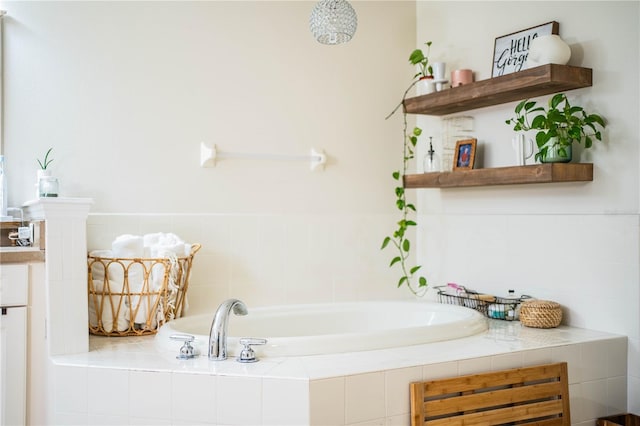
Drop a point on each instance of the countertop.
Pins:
(21, 254)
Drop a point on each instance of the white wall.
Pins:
(125, 92)
(573, 243)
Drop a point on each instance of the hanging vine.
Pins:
(399, 239)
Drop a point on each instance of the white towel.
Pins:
(110, 306)
(130, 246)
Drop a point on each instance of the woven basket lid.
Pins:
(541, 304)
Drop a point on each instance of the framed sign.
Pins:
(510, 51)
(465, 154)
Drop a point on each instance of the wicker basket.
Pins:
(502, 308)
(133, 297)
(540, 314)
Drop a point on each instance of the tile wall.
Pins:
(269, 259)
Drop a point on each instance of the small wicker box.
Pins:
(540, 314)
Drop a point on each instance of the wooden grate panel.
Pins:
(529, 396)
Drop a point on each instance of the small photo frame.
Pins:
(510, 51)
(465, 154)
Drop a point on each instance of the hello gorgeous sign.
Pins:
(510, 51)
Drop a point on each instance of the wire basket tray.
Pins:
(503, 308)
(135, 296)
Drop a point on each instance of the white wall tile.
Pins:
(617, 357)
(327, 402)
(150, 394)
(440, 370)
(575, 404)
(571, 355)
(400, 420)
(108, 420)
(633, 355)
(506, 361)
(617, 395)
(397, 393)
(147, 421)
(474, 366)
(239, 400)
(375, 422)
(595, 360)
(70, 390)
(633, 397)
(68, 419)
(193, 398)
(285, 402)
(364, 397)
(594, 399)
(536, 357)
(108, 392)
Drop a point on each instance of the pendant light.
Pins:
(333, 21)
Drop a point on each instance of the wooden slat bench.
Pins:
(523, 396)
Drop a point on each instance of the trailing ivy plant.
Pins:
(399, 239)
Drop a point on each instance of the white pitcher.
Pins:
(523, 148)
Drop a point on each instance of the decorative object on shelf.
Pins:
(461, 77)
(523, 148)
(426, 82)
(47, 185)
(465, 154)
(431, 160)
(510, 51)
(540, 314)
(333, 21)
(438, 76)
(548, 49)
(558, 127)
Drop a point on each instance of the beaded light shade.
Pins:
(333, 21)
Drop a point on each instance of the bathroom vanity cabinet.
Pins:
(538, 81)
(22, 335)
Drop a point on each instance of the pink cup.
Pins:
(461, 77)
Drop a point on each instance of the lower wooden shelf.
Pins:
(536, 173)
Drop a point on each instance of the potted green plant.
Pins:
(47, 185)
(425, 71)
(559, 126)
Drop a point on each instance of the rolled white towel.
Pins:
(126, 245)
(98, 267)
(113, 304)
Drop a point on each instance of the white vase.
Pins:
(548, 49)
(425, 86)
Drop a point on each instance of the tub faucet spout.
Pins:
(218, 333)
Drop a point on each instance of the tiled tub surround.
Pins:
(131, 381)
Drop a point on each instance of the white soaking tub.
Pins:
(294, 330)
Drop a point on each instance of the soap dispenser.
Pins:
(431, 160)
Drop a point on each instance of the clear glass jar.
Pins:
(48, 186)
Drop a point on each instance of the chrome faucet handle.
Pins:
(247, 354)
(186, 351)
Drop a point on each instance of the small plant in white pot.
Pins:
(47, 185)
(425, 71)
(558, 127)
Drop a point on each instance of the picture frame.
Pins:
(510, 51)
(465, 154)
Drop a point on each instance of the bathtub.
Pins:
(295, 330)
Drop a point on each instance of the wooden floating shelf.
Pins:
(538, 81)
(537, 173)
